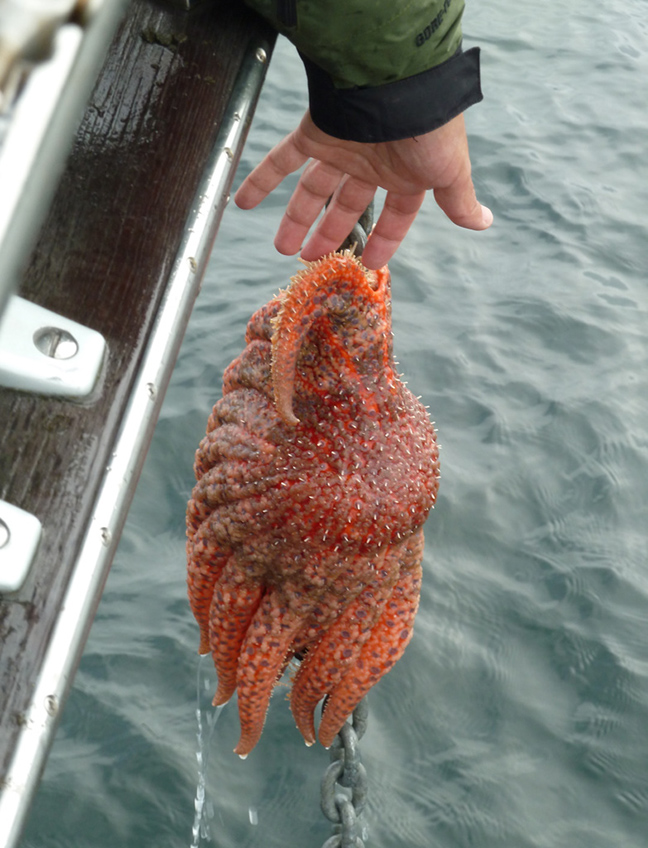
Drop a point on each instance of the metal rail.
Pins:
(50, 54)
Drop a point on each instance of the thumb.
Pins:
(460, 204)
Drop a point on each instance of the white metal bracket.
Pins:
(20, 533)
(46, 353)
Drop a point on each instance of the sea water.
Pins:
(518, 717)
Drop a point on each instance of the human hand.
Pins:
(350, 172)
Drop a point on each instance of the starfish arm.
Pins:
(262, 657)
(195, 516)
(260, 324)
(233, 607)
(205, 563)
(250, 370)
(338, 649)
(381, 651)
(238, 451)
(301, 305)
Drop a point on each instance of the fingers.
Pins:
(318, 182)
(350, 172)
(272, 170)
(396, 218)
(347, 205)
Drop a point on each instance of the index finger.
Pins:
(282, 160)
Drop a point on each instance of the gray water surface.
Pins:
(518, 717)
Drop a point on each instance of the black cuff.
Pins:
(412, 106)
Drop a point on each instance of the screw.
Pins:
(56, 343)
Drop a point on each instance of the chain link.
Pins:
(357, 238)
(344, 784)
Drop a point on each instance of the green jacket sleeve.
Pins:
(379, 70)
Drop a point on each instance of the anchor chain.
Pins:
(357, 238)
(344, 784)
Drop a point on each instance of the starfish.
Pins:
(317, 472)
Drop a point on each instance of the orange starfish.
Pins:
(317, 472)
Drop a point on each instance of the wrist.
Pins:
(409, 107)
